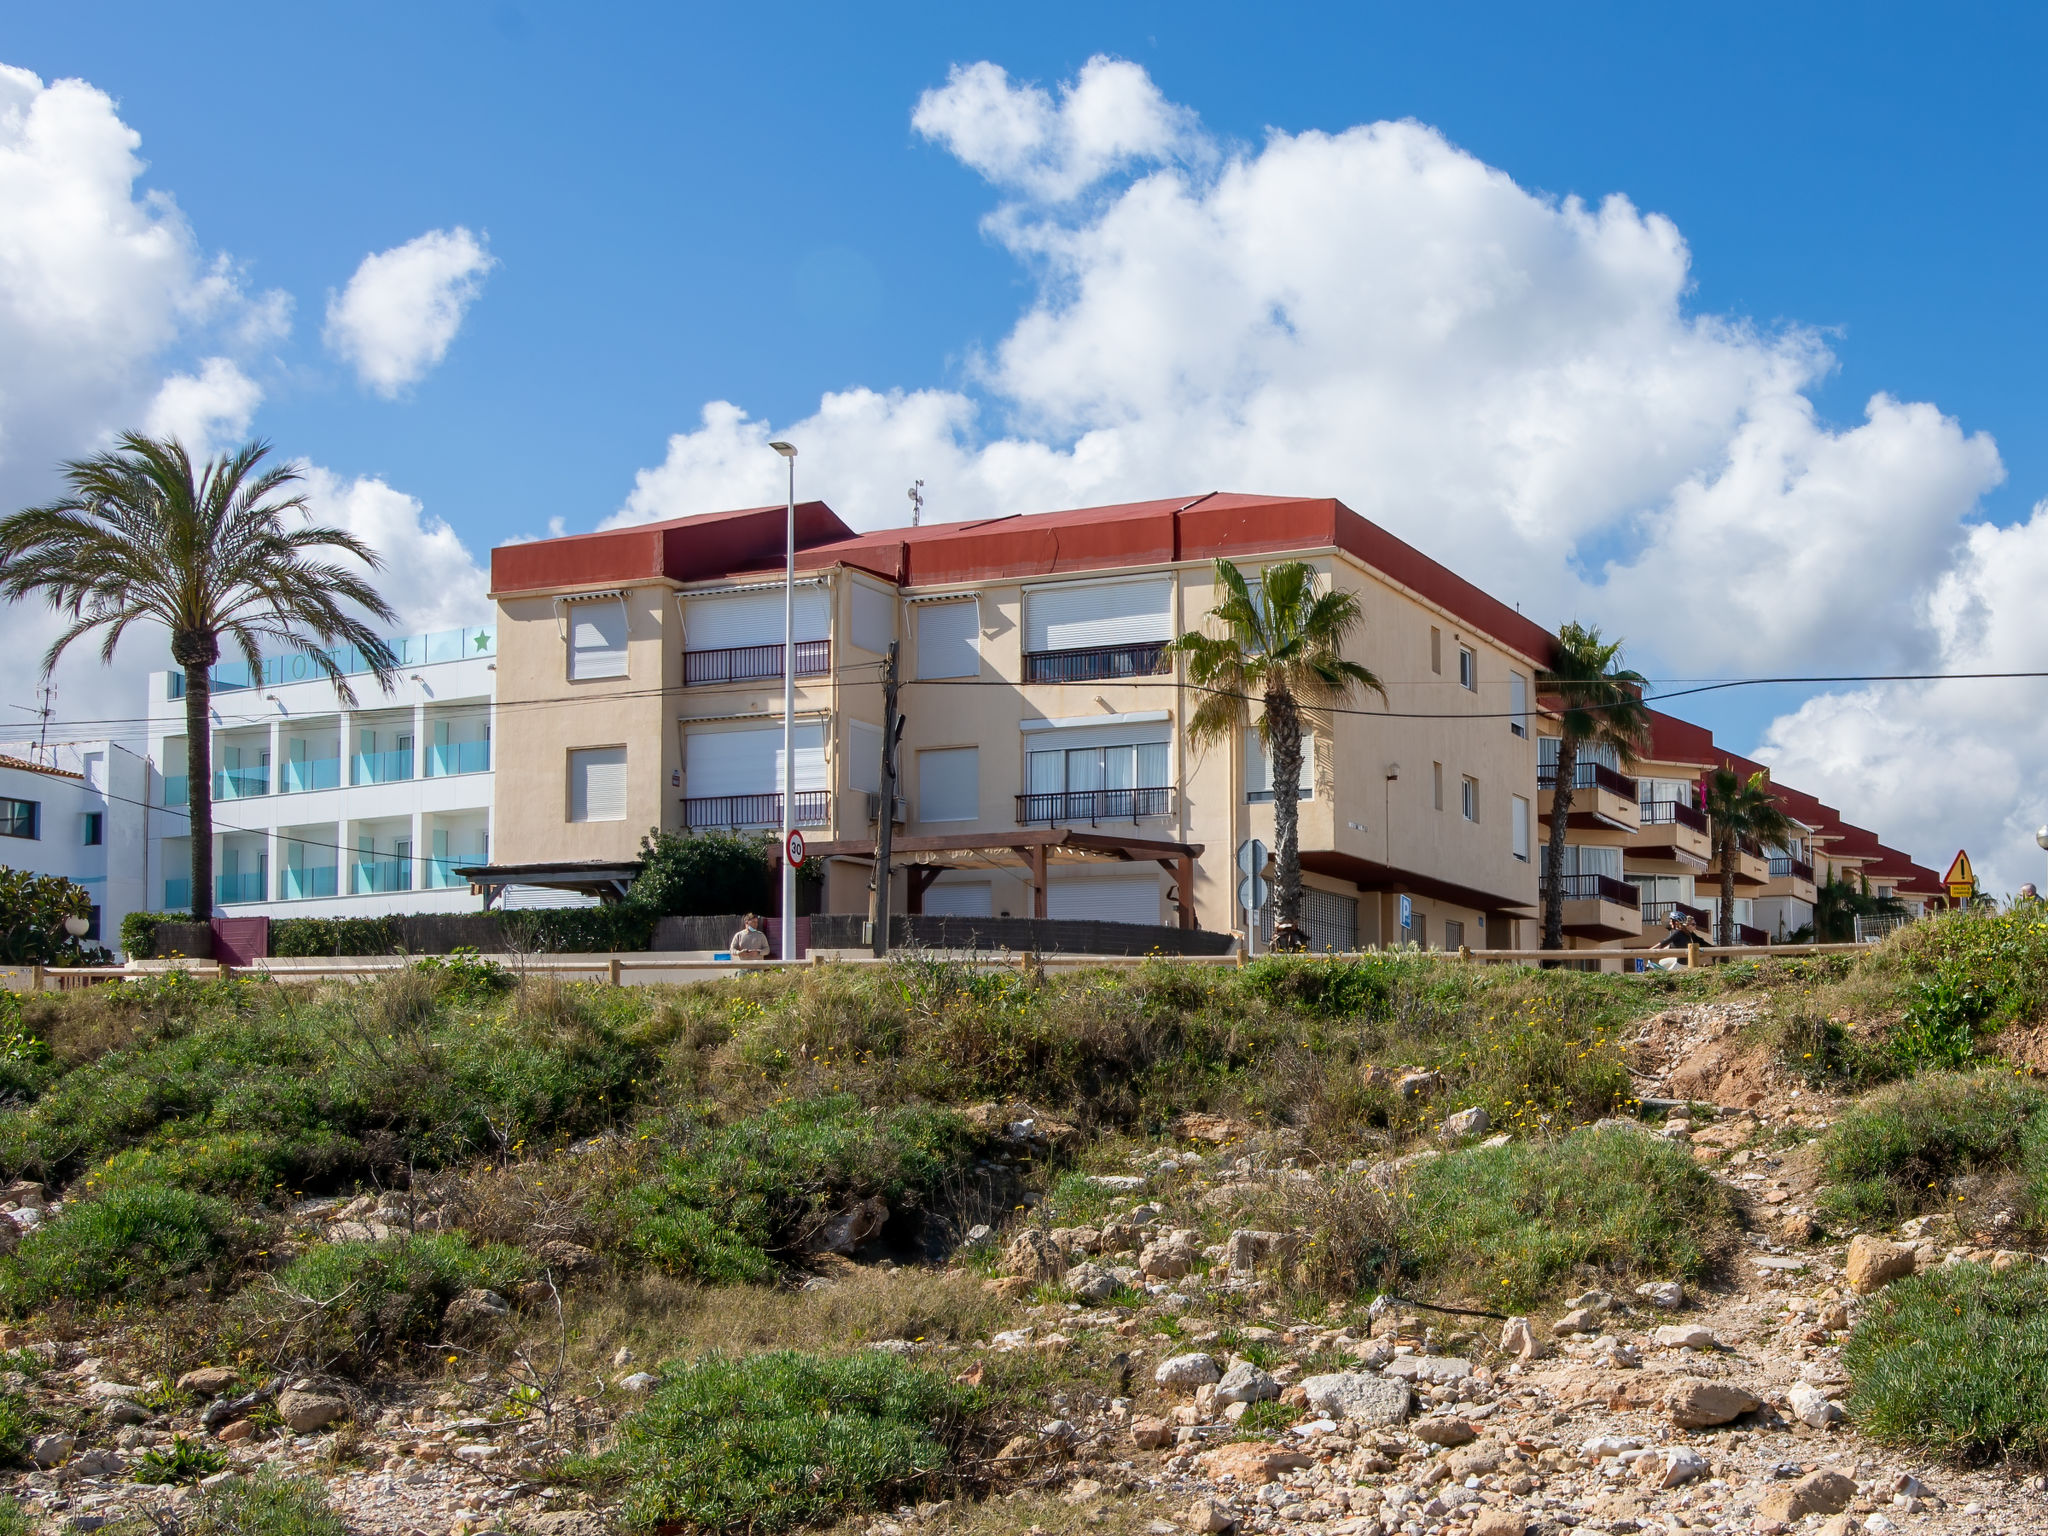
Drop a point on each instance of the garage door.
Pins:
(1107, 899)
(959, 898)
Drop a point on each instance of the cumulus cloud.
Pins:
(429, 574)
(206, 411)
(399, 314)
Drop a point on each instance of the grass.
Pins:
(770, 1441)
(184, 1461)
(133, 1243)
(1955, 1361)
(266, 1505)
(14, 1520)
(1895, 1152)
(1512, 1222)
(18, 1425)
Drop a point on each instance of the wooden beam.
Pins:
(917, 879)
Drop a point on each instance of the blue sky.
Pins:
(694, 204)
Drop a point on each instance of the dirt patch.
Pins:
(1700, 1054)
(2024, 1045)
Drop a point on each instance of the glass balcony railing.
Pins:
(376, 876)
(451, 757)
(301, 774)
(240, 783)
(177, 791)
(407, 651)
(230, 890)
(441, 873)
(382, 767)
(178, 894)
(304, 884)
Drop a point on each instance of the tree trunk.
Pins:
(1727, 923)
(1283, 734)
(1553, 848)
(196, 653)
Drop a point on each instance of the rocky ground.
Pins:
(1667, 1408)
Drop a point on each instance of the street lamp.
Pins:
(788, 452)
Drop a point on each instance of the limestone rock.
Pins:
(1216, 1130)
(1357, 1398)
(1671, 1468)
(1445, 1432)
(1812, 1407)
(1685, 1336)
(1695, 1403)
(560, 1253)
(1466, 1122)
(1033, 1255)
(1207, 1515)
(306, 1412)
(1435, 1370)
(846, 1232)
(475, 1309)
(50, 1450)
(1418, 1085)
(1246, 1383)
(1091, 1283)
(1187, 1371)
(1666, 1294)
(1247, 1249)
(1517, 1338)
(1150, 1434)
(208, 1380)
(1499, 1522)
(1874, 1263)
(1817, 1493)
(1475, 1460)
(1251, 1462)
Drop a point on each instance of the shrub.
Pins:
(264, 1505)
(353, 1302)
(705, 874)
(766, 1442)
(133, 1242)
(138, 932)
(33, 908)
(184, 1461)
(14, 1520)
(18, 1425)
(716, 1207)
(306, 937)
(1511, 1221)
(1956, 1361)
(579, 930)
(1889, 1154)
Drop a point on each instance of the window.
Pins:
(864, 741)
(873, 617)
(1468, 669)
(1421, 930)
(1436, 785)
(1080, 770)
(21, 818)
(1436, 650)
(1098, 615)
(1469, 802)
(93, 833)
(949, 784)
(1454, 934)
(597, 639)
(597, 784)
(1258, 769)
(1518, 704)
(946, 635)
(1520, 827)
(731, 621)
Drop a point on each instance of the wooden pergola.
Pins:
(924, 859)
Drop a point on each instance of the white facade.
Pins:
(326, 809)
(78, 809)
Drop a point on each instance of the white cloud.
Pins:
(207, 411)
(429, 574)
(401, 310)
(1513, 382)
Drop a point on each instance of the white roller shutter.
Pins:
(1105, 899)
(962, 898)
(1087, 615)
(750, 762)
(597, 784)
(946, 633)
(753, 618)
(949, 784)
(597, 638)
(864, 741)
(873, 619)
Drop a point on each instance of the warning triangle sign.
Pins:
(1961, 879)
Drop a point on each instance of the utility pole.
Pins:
(885, 819)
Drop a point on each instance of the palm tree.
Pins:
(1596, 702)
(1282, 645)
(1741, 810)
(140, 536)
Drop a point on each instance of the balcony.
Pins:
(235, 890)
(1668, 914)
(307, 883)
(1095, 664)
(178, 891)
(1602, 798)
(441, 873)
(240, 784)
(1093, 806)
(1673, 840)
(375, 877)
(1600, 907)
(302, 774)
(447, 758)
(813, 809)
(1788, 877)
(1783, 865)
(383, 768)
(754, 663)
(1751, 868)
(177, 791)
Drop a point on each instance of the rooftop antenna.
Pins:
(48, 694)
(916, 501)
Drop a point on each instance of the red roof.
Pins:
(1223, 524)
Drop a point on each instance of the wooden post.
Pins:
(613, 969)
(1037, 854)
(885, 820)
(1692, 955)
(1184, 877)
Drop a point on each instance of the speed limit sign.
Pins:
(795, 849)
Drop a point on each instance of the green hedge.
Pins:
(579, 930)
(304, 937)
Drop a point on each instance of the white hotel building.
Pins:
(326, 809)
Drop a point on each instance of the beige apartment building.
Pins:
(1044, 767)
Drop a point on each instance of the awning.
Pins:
(605, 879)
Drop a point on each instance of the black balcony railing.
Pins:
(1744, 934)
(1095, 663)
(1669, 913)
(1589, 776)
(751, 663)
(813, 809)
(1783, 864)
(1599, 888)
(1093, 805)
(1665, 813)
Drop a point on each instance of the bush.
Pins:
(1888, 1156)
(718, 1206)
(705, 874)
(766, 1442)
(308, 937)
(1956, 1361)
(33, 908)
(133, 1242)
(579, 930)
(350, 1303)
(183, 1461)
(18, 1425)
(1510, 1222)
(138, 932)
(264, 1505)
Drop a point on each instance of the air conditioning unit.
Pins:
(902, 809)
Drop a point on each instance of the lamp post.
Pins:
(2041, 837)
(788, 452)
